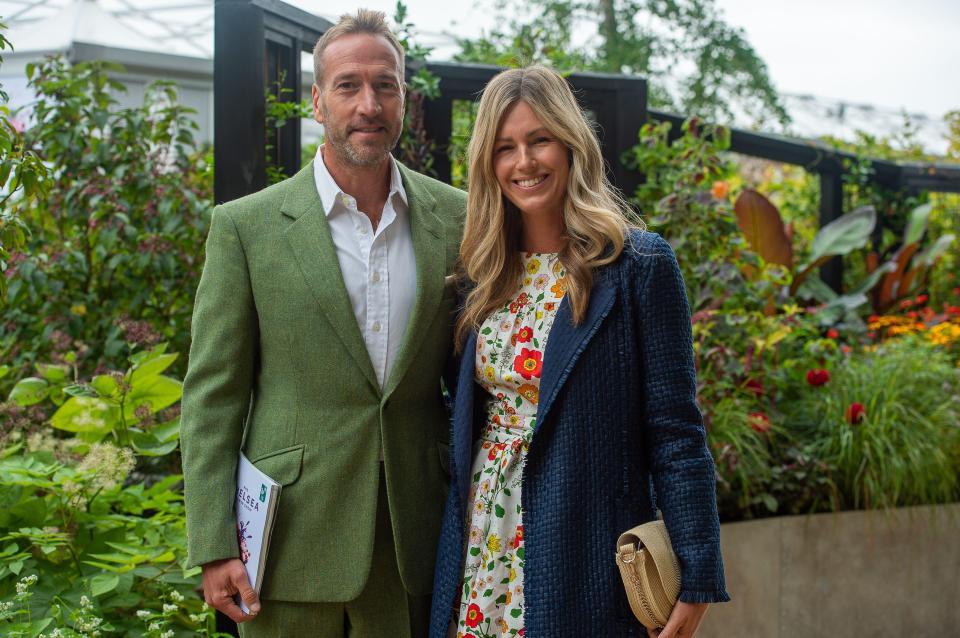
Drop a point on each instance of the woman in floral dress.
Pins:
(576, 391)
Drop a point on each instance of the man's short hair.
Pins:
(365, 21)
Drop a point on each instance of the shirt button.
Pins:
(376, 278)
(376, 326)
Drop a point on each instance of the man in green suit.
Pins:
(320, 332)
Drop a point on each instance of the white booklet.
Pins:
(257, 496)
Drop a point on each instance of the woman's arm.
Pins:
(681, 464)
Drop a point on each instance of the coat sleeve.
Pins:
(216, 393)
(681, 465)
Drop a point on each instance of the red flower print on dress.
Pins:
(518, 539)
(525, 334)
(528, 363)
(474, 616)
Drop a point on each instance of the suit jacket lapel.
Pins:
(567, 341)
(312, 245)
(429, 251)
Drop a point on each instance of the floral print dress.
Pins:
(509, 362)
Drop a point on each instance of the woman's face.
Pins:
(531, 164)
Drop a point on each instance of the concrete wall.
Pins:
(847, 575)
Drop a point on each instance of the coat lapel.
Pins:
(429, 251)
(567, 341)
(312, 245)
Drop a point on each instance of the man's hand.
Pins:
(224, 578)
(684, 621)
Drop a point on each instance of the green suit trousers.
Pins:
(383, 608)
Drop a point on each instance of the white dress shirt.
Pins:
(378, 268)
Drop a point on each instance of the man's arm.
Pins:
(216, 398)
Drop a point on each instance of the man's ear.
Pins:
(317, 111)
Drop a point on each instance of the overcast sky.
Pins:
(889, 53)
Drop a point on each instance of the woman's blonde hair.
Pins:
(595, 216)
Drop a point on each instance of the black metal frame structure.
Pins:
(243, 71)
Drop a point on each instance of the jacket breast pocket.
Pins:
(283, 465)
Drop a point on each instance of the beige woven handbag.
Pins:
(650, 571)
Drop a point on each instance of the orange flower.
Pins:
(525, 334)
(529, 392)
(720, 189)
(559, 289)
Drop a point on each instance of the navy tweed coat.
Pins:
(618, 435)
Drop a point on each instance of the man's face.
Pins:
(360, 102)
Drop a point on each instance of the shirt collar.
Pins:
(330, 192)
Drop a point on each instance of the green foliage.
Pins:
(900, 452)
(91, 539)
(116, 245)
(279, 110)
(684, 198)
(415, 147)
(643, 37)
(23, 176)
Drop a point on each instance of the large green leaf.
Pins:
(29, 391)
(86, 414)
(53, 373)
(156, 392)
(152, 367)
(841, 236)
(104, 384)
(103, 584)
(148, 444)
(929, 256)
(917, 224)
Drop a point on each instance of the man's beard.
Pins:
(361, 155)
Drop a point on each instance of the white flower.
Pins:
(176, 596)
(154, 626)
(169, 609)
(85, 602)
(143, 614)
(167, 634)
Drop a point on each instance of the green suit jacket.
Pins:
(278, 368)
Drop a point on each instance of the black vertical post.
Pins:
(438, 122)
(831, 208)
(631, 113)
(239, 82)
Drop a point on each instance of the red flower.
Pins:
(845, 349)
(817, 377)
(529, 363)
(953, 310)
(474, 615)
(872, 318)
(525, 334)
(855, 413)
(759, 421)
(755, 386)
(906, 303)
(912, 314)
(956, 291)
(922, 299)
(518, 539)
(832, 334)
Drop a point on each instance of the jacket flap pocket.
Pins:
(283, 466)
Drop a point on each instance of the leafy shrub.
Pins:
(888, 422)
(118, 239)
(90, 542)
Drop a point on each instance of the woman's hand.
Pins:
(684, 621)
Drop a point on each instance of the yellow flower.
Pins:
(78, 309)
(533, 266)
(493, 544)
(513, 574)
(488, 372)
